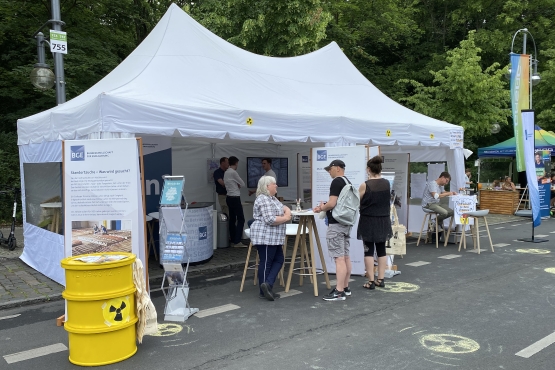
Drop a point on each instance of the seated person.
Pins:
(95, 229)
(103, 230)
(508, 184)
(432, 192)
(496, 184)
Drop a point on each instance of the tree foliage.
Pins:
(464, 44)
(464, 93)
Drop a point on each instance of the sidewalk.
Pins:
(21, 285)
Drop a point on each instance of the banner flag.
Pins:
(529, 151)
(520, 99)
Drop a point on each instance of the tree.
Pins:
(266, 27)
(463, 93)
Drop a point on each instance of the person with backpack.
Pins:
(341, 210)
(374, 226)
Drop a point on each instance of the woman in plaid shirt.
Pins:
(268, 234)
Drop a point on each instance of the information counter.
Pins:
(502, 202)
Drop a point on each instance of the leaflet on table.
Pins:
(174, 248)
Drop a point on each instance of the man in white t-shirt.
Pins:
(267, 167)
(433, 192)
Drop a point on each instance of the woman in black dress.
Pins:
(374, 225)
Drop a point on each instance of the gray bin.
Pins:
(223, 231)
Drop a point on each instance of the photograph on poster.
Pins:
(255, 171)
(212, 165)
(100, 236)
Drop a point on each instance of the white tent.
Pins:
(184, 81)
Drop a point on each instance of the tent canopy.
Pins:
(544, 140)
(183, 80)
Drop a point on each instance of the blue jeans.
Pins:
(271, 260)
(236, 219)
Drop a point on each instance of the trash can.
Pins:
(223, 231)
(100, 308)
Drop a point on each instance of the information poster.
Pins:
(542, 161)
(102, 197)
(157, 160)
(399, 165)
(171, 194)
(463, 204)
(355, 158)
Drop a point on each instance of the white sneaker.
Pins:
(240, 245)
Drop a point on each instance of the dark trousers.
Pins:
(236, 219)
(271, 260)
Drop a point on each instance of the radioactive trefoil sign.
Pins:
(58, 42)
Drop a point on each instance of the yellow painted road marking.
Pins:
(166, 330)
(399, 287)
(449, 343)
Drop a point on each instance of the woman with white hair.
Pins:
(268, 234)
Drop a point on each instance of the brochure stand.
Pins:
(172, 220)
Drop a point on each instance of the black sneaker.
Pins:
(335, 295)
(347, 291)
(267, 291)
(275, 295)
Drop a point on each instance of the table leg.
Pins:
(489, 235)
(463, 235)
(57, 221)
(477, 233)
(310, 233)
(292, 265)
(306, 252)
(317, 237)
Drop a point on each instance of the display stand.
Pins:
(172, 221)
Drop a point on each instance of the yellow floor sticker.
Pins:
(449, 343)
(399, 287)
(166, 330)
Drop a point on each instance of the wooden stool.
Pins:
(428, 216)
(255, 265)
(476, 215)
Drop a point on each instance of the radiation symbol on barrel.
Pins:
(116, 311)
(449, 343)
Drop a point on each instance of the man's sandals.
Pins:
(370, 284)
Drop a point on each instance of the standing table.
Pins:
(306, 220)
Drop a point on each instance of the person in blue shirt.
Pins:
(220, 185)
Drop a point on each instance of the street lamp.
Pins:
(41, 75)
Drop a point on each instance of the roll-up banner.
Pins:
(103, 208)
(355, 170)
(529, 153)
(520, 99)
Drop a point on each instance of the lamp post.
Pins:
(41, 75)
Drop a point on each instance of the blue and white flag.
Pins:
(529, 151)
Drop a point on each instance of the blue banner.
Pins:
(529, 154)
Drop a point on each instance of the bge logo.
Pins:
(202, 233)
(321, 155)
(78, 153)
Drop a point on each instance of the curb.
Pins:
(153, 281)
(30, 301)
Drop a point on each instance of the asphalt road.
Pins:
(487, 311)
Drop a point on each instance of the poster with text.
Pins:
(102, 197)
(304, 177)
(355, 158)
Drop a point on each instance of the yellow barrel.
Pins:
(100, 310)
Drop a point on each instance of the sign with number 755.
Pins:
(58, 42)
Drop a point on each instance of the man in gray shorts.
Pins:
(337, 235)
